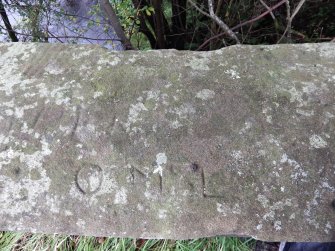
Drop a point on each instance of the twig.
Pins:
(290, 19)
(295, 12)
(221, 23)
(215, 18)
(242, 24)
(58, 37)
(268, 8)
(199, 9)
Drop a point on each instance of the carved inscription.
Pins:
(188, 179)
(150, 183)
(89, 178)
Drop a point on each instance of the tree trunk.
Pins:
(143, 26)
(178, 24)
(159, 24)
(10, 31)
(107, 8)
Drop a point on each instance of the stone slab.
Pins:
(168, 144)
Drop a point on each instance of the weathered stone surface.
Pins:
(168, 144)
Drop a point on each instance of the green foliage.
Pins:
(8, 240)
(140, 41)
(149, 10)
(29, 242)
(127, 15)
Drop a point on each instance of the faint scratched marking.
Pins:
(37, 117)
(89, 178)
(153, 184)
(133, 172)
(204, 189)
(77, 121)
(113, 125)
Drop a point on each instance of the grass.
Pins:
(10, 241)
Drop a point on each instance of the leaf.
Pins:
(148, 12)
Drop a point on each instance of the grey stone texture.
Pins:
(168, 144)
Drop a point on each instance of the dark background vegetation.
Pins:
(179, 24)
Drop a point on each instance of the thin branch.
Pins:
(268, 8)
(260, 16)
(215, 18)
(296, 10)
(243, 24)
(6, 21)
(199, 9)
(58, 37)
(290, 18)
(214, 29)
(221, 23)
